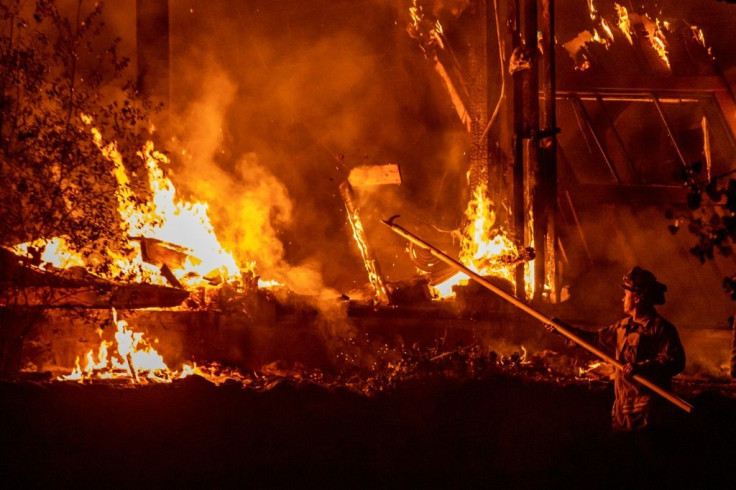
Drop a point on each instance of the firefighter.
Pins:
(645, 344)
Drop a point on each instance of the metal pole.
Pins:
(531, 311)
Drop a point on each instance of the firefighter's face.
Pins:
(630, 301)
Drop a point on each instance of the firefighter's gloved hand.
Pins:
(551, 328)
(629, 369)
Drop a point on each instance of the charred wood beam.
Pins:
(583, 83)
(727, 106)
(375, 277)
(548, 150)
(579, 227)
(535, 197)
(517, 109)
(477, 56)
(92, 296)
(164, 255)
(637, 88)
(458, 99)
(706, 147)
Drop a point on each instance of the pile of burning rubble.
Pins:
(363, 365)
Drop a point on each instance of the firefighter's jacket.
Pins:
(654, 348)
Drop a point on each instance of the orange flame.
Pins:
(700, 38)
(485, 249)
(657, 38)
(54, 252)
(624, 23)
(422, 28)
(164, 217)
(133, 359)
(656, 28)
(592, 10)
(379, 288)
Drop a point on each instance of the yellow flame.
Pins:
(655, 29)
(624, 23)
(133, 358)
(485, 249)
(605, 27)
(592, 10)
(268, 284)
(55, 252)
(657, 38)
(420, 26)
(582, 371)
(164, 217)
(700, 37)
(180, 222)
(529, 272)
(379, 288)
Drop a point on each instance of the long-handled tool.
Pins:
(531, 311)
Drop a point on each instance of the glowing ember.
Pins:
(582, 371)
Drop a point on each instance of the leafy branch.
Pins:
(54, 67)
(710, 217)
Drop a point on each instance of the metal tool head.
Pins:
(390, 221)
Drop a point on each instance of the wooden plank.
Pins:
(92, 296)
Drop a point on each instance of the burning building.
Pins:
(226, 250)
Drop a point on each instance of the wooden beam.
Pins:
(583, 83)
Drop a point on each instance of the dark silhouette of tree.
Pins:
(55, 67)
(711, 217)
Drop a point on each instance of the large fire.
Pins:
(164, 217)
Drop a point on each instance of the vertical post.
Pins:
(514, 23)
(535, 222)
(548, 151)
(479, 100)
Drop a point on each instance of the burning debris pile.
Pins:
(362, 365)
(170, 242)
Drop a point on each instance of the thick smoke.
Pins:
(273, 105)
